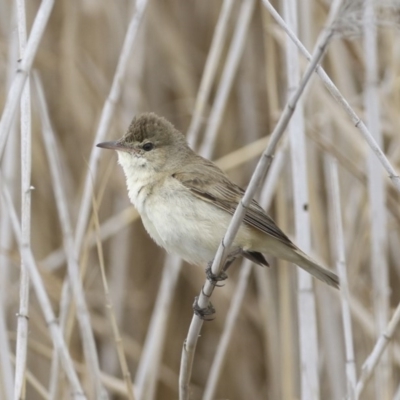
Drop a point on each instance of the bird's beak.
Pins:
(113, 146)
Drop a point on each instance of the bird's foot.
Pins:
(205, 313)
(214, 279)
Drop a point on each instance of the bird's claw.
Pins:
(203, 313)
(214, 279)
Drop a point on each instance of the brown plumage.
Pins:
(186, 202)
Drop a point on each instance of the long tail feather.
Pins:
(303, 261)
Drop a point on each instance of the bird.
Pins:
(186, 202)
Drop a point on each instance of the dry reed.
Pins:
(221, 72)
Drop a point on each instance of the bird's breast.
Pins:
(184, 224)
(179, 221)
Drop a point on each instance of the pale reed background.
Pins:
(76, 61)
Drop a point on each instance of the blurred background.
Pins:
(76, 61)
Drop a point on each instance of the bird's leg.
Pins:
(203, 313)
(214, 279)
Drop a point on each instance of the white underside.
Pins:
(175, 218)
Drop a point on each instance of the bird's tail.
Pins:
(324, 275)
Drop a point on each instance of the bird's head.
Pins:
(151, 143)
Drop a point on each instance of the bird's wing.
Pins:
(209, 183)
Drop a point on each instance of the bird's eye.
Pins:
(148, 146)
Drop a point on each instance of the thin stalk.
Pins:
(6, 375)
(339, 251)
(55, 367)
(371, 362)
(377, 198)
(26, 167)
(9, 169)
(83, 315)
(308, 338)
(260, 171)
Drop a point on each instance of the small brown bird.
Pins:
(186, 202)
